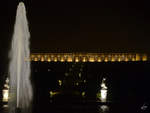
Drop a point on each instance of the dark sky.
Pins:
(76, 26)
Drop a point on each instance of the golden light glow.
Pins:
(62, 59)
(76, 59)
(129, 57)
(99, 59)
(38, 56)
(144, 58)
(35, 59)
(83, 93)
(133, 59)
(113, 59)
(69, 59)
(60, 82)
(55, 59)
(52, 58)
(48, 59)
(88, 57)
(137, 57)
(106, 59)
(91, 59)
(53, 93)
(126, 59)
(42, 59)
(84, 59)
(5, 91)
(119, 59)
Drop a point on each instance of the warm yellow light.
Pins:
(109, 57)
(38, 56)
(129, 57)
(5, 95)
(76, 59)
(91, 59)
(35, 59)
(102, 57)
(106, 59)
(48, 59)
(42, 59)
(83, 94)
(126, 59)
(84, 59)
(99, 59)
(69, 59)
(119, 59)
(53, 93)
(133, 59)
(60, 82)
(55, 59)
(113, 59)
(62, 59)
(137, 57)
(144, 58)
(52, 58)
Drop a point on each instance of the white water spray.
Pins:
(19, 69)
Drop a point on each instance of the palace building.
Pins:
(88, 57)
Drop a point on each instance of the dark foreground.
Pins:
(128, 87)
(88, 108)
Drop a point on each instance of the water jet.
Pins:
(19, 69)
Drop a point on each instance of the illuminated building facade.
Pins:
(79, 75)
(88, 57)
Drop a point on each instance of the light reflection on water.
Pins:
(103, 109)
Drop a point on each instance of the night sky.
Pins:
(80, 26)
(85, 26)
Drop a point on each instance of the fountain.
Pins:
(102, 93)
(103, 90)
(20, 87)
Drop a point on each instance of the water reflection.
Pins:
(103, 109)
(144, 107)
